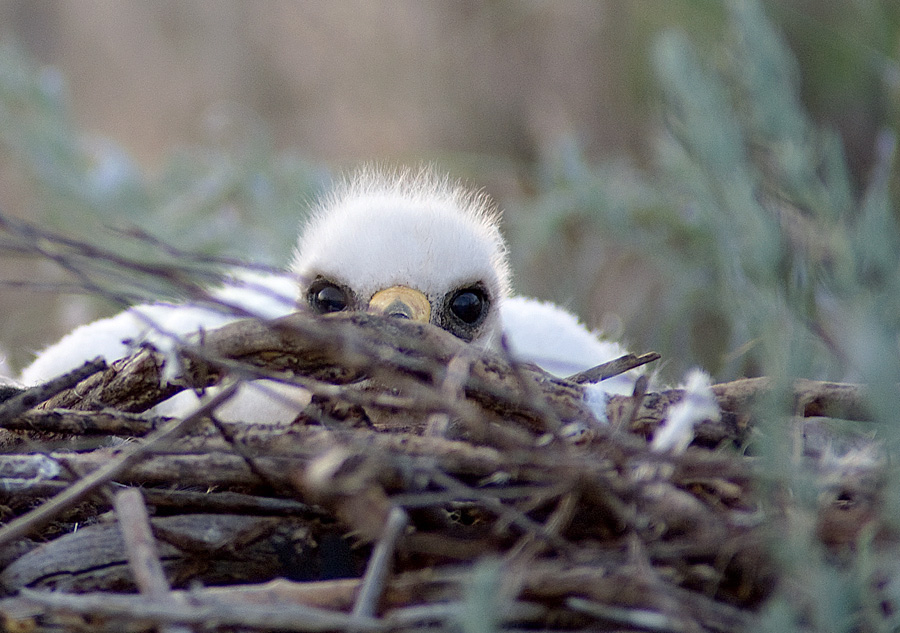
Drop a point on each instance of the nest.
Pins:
(423, 486)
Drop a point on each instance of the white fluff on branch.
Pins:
(699, 404)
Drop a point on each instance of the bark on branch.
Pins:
(339, 349)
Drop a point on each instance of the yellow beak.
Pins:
(401, 302)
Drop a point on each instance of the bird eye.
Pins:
(325, 297)
(468, 305)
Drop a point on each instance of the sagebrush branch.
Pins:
(338, 349)
(346, 348)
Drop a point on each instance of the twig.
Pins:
(214, 502)
(552, 420)
(240, 449)
(8, 391)
(344, 348)
(67, 252)
(69, 422)
(58, 287)
(127, 457)
(452, 389)
(207, 612)
(811, 397)
(140, 547)
(34, 396)
(642, 619)
(231, 503)
(528, 547)
(424, 499)
(613, 368)
(418, 617)
(379, 566)
(637, 397)
(142, 236)
(510, 514)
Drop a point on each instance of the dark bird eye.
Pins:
(468, 305)
(326, 297)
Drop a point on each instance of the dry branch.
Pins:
(373, 582)
(346, 348)
(592, 530)
(29, 398)
(210, 614)
(129, 456)
(84, 423)
(143, 558)
(15, 402)
(340, 349)
(613, 368)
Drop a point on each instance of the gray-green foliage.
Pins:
(751, 217)
(771, 261)
(807, 266)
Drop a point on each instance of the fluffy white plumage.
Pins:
(162, 324)
(5, 373)
(699, 404)
(549, 336)
(413, 231)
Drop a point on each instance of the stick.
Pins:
(373, 582)
(34, 396)
(128, 457)
(68, 422)
(613, 368)
(209, 613)
(341, 348)
(140, 547)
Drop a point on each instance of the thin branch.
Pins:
(373, 583)
(513, 516)
(34, 396)
(85, 423)
(208, 613)
(140, 547)
(129, 455)
(343, 348)
(613, 368)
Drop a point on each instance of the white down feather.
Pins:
(374, 231)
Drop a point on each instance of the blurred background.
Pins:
(687, 176)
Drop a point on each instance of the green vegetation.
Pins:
(772, 261)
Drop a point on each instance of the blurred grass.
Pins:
(776, 257)
(750, 218)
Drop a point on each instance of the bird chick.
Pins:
(409, 245)
(416, 247)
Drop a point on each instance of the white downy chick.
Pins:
(409, 245)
